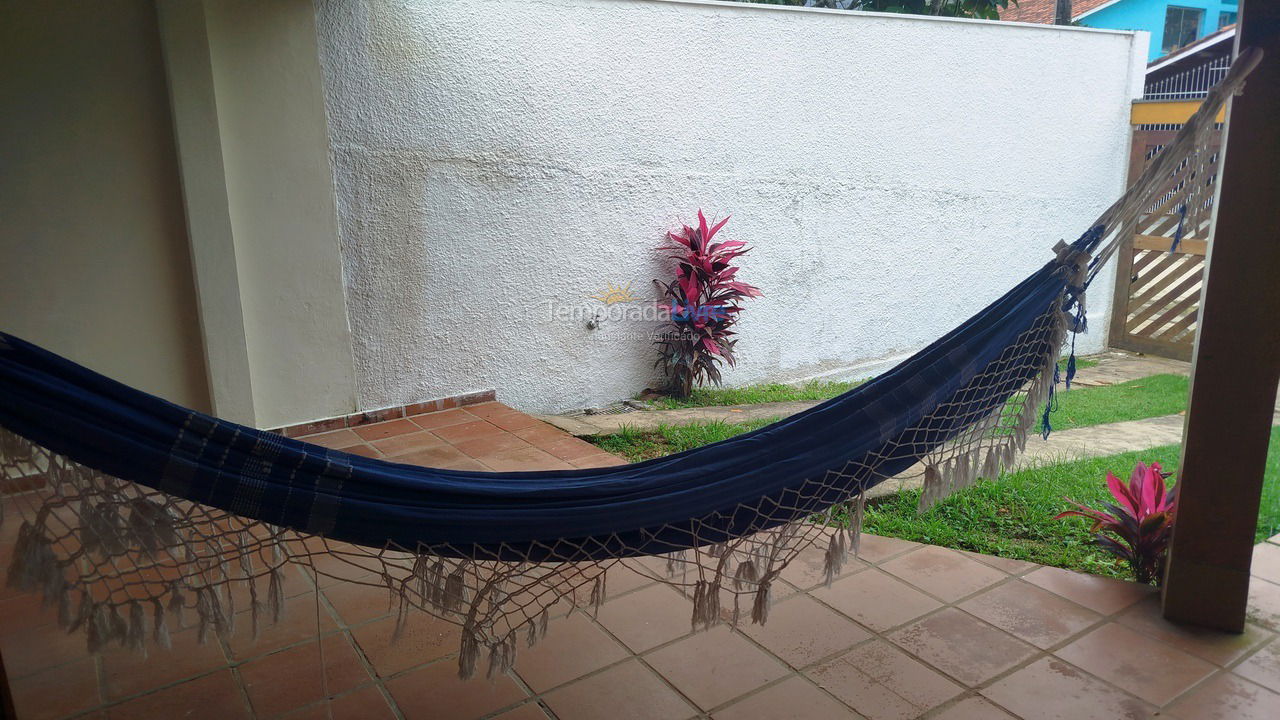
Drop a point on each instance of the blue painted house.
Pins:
(1172, 23)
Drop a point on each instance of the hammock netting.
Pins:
(139, 516)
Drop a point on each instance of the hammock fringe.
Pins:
(115, 518)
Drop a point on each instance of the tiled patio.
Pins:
(488, 436)
(907, 631)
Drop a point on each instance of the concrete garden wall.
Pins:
(498, 163)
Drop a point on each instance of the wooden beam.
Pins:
(6, 695)
(1236, 364)
(1160, 243)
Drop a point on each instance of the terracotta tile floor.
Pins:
(488, 436)
(906, 631)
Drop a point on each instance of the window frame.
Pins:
(1198, 13)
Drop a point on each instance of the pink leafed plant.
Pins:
(703, 305)
(1139, 524)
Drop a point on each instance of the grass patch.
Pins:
(1146, 397)
(809, 391)
(813, 390)
(636, 445)
(1082, 363)
(1013, 517)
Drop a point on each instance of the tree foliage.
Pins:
(985, 9)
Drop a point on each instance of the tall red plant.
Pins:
(702, 303)
(1140, 523)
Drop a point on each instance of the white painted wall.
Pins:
(894, 173)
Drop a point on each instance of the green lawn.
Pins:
(1080, 407)
(636, 445)
(1013, 517)
(1081, 363)
(1142, 398)
(782, 392)
(755, 394)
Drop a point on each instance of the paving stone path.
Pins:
(1062, 446)
(1113, 367)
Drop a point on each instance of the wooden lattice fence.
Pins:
(1157, 295)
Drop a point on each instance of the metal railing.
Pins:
(1189, 84)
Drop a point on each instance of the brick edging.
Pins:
(392, 413)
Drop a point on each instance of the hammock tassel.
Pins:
(1046, 426)
(228, 610)
(161, 626)
(99, 629)
(435, 581)
(203, 613)
(597, 592)
(855, 526)
(532, 636)
(35, 565)
(421, 570)
(454, 593)
(103, 529)
(402, 618)
(64, 609)
(960, 474)
(469, 653)
(502, 656)
(760, 607)
(932, 486)
(83, 613)
(676, 560)
(151, 525)
(176, 603)
(211, 613)
(136, 635)
(706, 603)
(974, 467)
(833, 561)
(275, 594)
(119, 628)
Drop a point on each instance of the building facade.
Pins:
(1172, 25)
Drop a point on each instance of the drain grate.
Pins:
(618, 408)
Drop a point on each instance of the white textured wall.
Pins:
(894, 173)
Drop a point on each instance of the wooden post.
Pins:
(1236, 365)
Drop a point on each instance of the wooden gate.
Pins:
(1157, 294)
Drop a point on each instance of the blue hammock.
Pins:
(642, 508)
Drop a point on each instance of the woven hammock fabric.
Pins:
(605, 512)
(136, 510)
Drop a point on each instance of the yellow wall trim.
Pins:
(1154, 112)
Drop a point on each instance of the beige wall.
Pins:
(94, 262)
(269, 99)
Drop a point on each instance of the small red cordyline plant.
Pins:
(1141, 521)
(703, 304)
